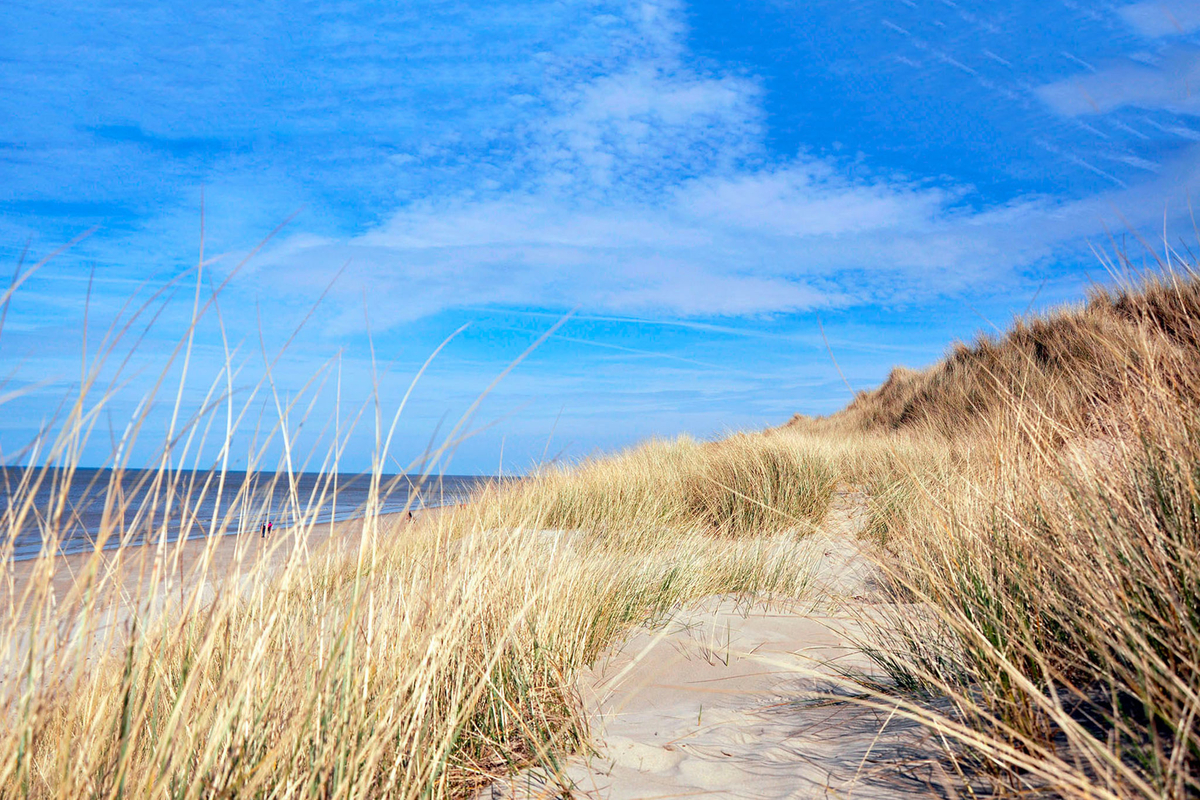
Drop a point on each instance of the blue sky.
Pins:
(698, 182)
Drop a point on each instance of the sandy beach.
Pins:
(182, 565)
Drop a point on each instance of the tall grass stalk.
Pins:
(373, 658)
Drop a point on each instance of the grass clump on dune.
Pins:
(740, 486)
(1056, 542)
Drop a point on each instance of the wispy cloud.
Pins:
(646, 188)
(1172, 83)
(1162, 17)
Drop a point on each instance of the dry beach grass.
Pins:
(1055, 532)
(415, 661)
(1036, 493)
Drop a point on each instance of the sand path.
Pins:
(730, 702)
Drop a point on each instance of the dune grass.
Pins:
(377, 658)
(419, 663)
(1054, 533)
(742, 485)
(1034, 493)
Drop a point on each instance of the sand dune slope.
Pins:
(730, 702)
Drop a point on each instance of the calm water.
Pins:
(246, 502)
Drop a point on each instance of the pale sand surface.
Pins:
(729, 702)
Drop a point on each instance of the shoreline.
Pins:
(213, 559)
(89, 547)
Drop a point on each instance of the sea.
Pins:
(137, 502)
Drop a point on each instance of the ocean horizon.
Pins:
(134, 505)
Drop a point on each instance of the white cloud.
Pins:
(751, 243)
(1162, 17)
(644, 122)
(808, 198)
(1166, 79)
(644, 187)
(1170, 85)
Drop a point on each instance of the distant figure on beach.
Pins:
(264, 530)
(269, 524)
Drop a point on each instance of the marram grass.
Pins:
(417, 661)
(1050, 526)
(1034, 495)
